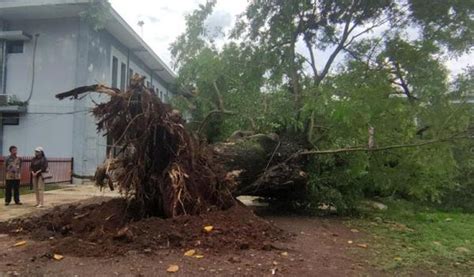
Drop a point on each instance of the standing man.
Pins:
(12, 177)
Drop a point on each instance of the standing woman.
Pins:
(39, 165)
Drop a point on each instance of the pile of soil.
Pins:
(109, 228)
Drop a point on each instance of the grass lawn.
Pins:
(26, 190)
(409, 239)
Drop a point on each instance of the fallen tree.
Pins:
(169, 172)
(161, 168)
(275, 167)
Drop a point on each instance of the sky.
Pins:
(164, 21)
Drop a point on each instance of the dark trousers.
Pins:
(15, 186)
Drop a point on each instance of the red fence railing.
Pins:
(60, 168)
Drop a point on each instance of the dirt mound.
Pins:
(108, 229)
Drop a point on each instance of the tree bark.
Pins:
(264, 165)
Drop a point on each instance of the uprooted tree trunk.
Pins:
(265, 165)
(160, 166)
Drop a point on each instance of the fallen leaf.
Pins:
(354, 231)
(190, 253)
(58, 257)
(284, 254)
(173, 268)
(398, 259)
(350, 241)
(198, 256)
(362, 245)
(208, 228)
(20, 243)
(437, 243)
(448, 219)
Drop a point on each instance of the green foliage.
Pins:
(225, 84)
(337, 182)
(260, 79)
(449, 22)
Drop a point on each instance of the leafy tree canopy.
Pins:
(333, 70)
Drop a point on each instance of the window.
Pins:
(11, 119)
(130, 75)
(123, 76)
(15, 47)
(114, 72)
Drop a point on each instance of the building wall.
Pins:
(95, 55)
(48, 122)
(128, 58)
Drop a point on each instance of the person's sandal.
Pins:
(39, 206)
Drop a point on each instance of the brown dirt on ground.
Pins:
(319, 246)
(109, 229)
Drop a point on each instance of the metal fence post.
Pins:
(72, 170)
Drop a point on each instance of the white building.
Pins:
(47, 48)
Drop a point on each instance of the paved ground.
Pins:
(68, 194)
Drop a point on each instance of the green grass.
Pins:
(26, 190)
(411, 239)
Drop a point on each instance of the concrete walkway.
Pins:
(68, 194)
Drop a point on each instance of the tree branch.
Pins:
(402, 83)
(84, 89)
(366, 31)
(208, 116)
(220, 100)
(311, 55)
(340, 46)
(366, 149)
